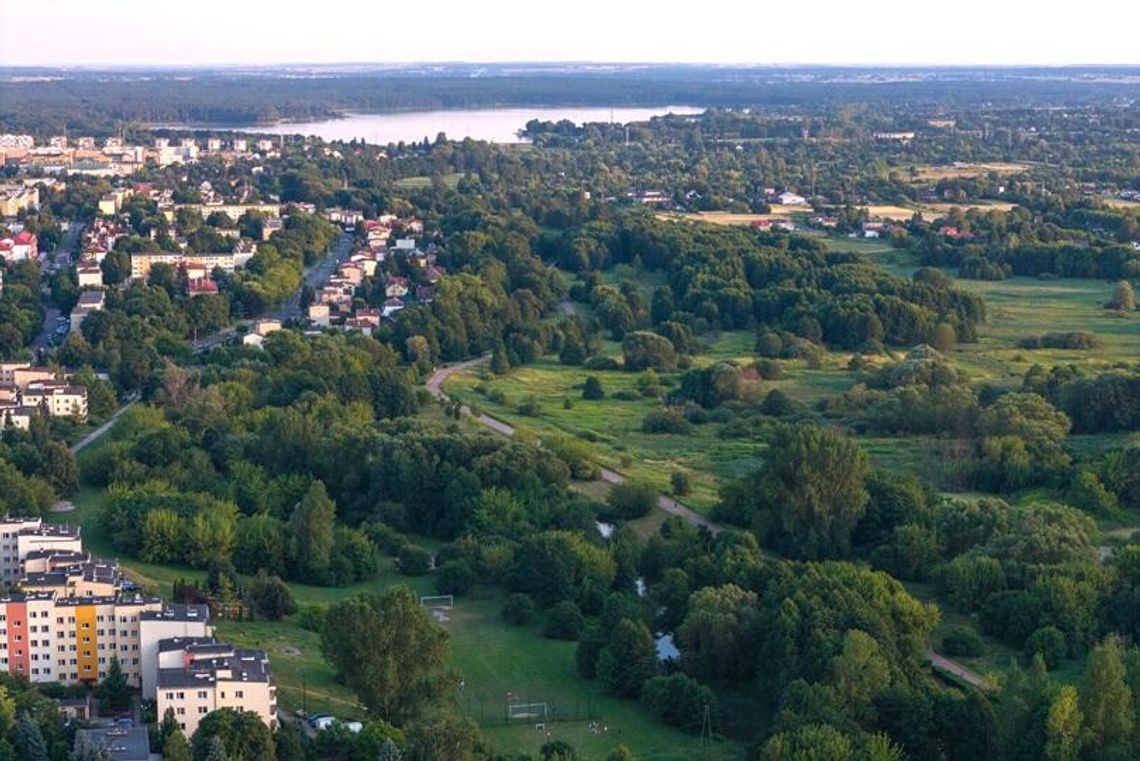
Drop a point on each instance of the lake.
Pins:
(496, 125)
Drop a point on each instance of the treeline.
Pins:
(730, 278)
(1096, 403)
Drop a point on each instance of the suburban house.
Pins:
(89, 301)
(788, 198)
(261, 329)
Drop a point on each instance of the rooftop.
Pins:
(122, 743)
(178, 612)
(242, 666)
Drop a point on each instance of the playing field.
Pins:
(935, 172)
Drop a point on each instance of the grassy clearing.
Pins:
(935, 172)
(424, 181)
(491, 657)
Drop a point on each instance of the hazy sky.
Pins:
(146, 32)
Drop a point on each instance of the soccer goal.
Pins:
(438, 601)
(527, 711)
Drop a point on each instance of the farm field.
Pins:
(935, 172)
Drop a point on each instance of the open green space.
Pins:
(450, 180)
(494, 659)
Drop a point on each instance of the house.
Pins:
(319, 315)
(425, 294)
(89, 275)
(270, 226)
(788, 198)
(59, 398)
(435, 273)
(396, 287)
(89, 301)
(244, 250)
(261, 329)
(761, 224)
(201, 286)
(23, 246)
(391, 306)
(156, 626)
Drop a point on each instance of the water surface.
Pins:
(496, 125)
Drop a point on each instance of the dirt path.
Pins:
(957, 669)
(95, 435)
(668, 504)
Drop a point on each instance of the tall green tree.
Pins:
(388, 650)
(809, 494)
(628, 659)
(312, 525)
(1106, 704)
(113, 692)
(176, 748)
(29, 740)
(241, 735)
(1063, 727)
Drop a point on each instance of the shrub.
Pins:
(602, 363)
(592, 389)
(1049, 643)
(563, 621)
(680, 482)
(626, 395)
(413, 560)
(678, 700)
(668, 420)
(770, 369)
(456, 577)
(631, 499)
(269, 597)
(962, 642)
(529, 406)
(518, 609)
(312, 618)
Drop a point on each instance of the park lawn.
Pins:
(424, 181)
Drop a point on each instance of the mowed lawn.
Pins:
(491, 657)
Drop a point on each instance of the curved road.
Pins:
(668, 504)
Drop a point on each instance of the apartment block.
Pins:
(172, 622)
(196, 677)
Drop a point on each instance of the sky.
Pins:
(209, 32)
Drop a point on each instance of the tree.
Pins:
(389, 751)
(679, 701)
(239, 735)
(1030, 418)
(85, 749)
(29, 740)
(643, 349)
(500, 364)
(312, 525)
(270, 597)
(388, 650)
(114, 693)
(859, 672)
(592, 389)
(1063, 727)
(1106, 703)
(456, 577)
(176, 748)
(1123, 299)
(811, 742)
(715, 636)
(632, 499)
(557, 750)
(443, 736)
(628, 659)
(59, 468)
(944, 337)
(563, 621)
(621, 753)
(680, 483)
(809, 494)
(573, 350)
(216, 750)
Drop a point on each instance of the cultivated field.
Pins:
(936, 172)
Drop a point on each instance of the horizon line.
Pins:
(4, 66)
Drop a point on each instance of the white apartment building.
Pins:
(195, 678)
(172, 622)
(20, 537)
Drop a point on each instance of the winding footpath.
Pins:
(434, 386)
(668, 504)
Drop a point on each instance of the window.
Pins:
(181, 711)
(202, 710)
(170, 696)
(239, 693)
(201, 694)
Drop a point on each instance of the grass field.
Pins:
(423, 181)
(935, 172)
(491, 657)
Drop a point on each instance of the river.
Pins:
(496, 125)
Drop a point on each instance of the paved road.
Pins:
(313, 277)
(56, 260)
(95, 435)
(668, 504)
(957, 669)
